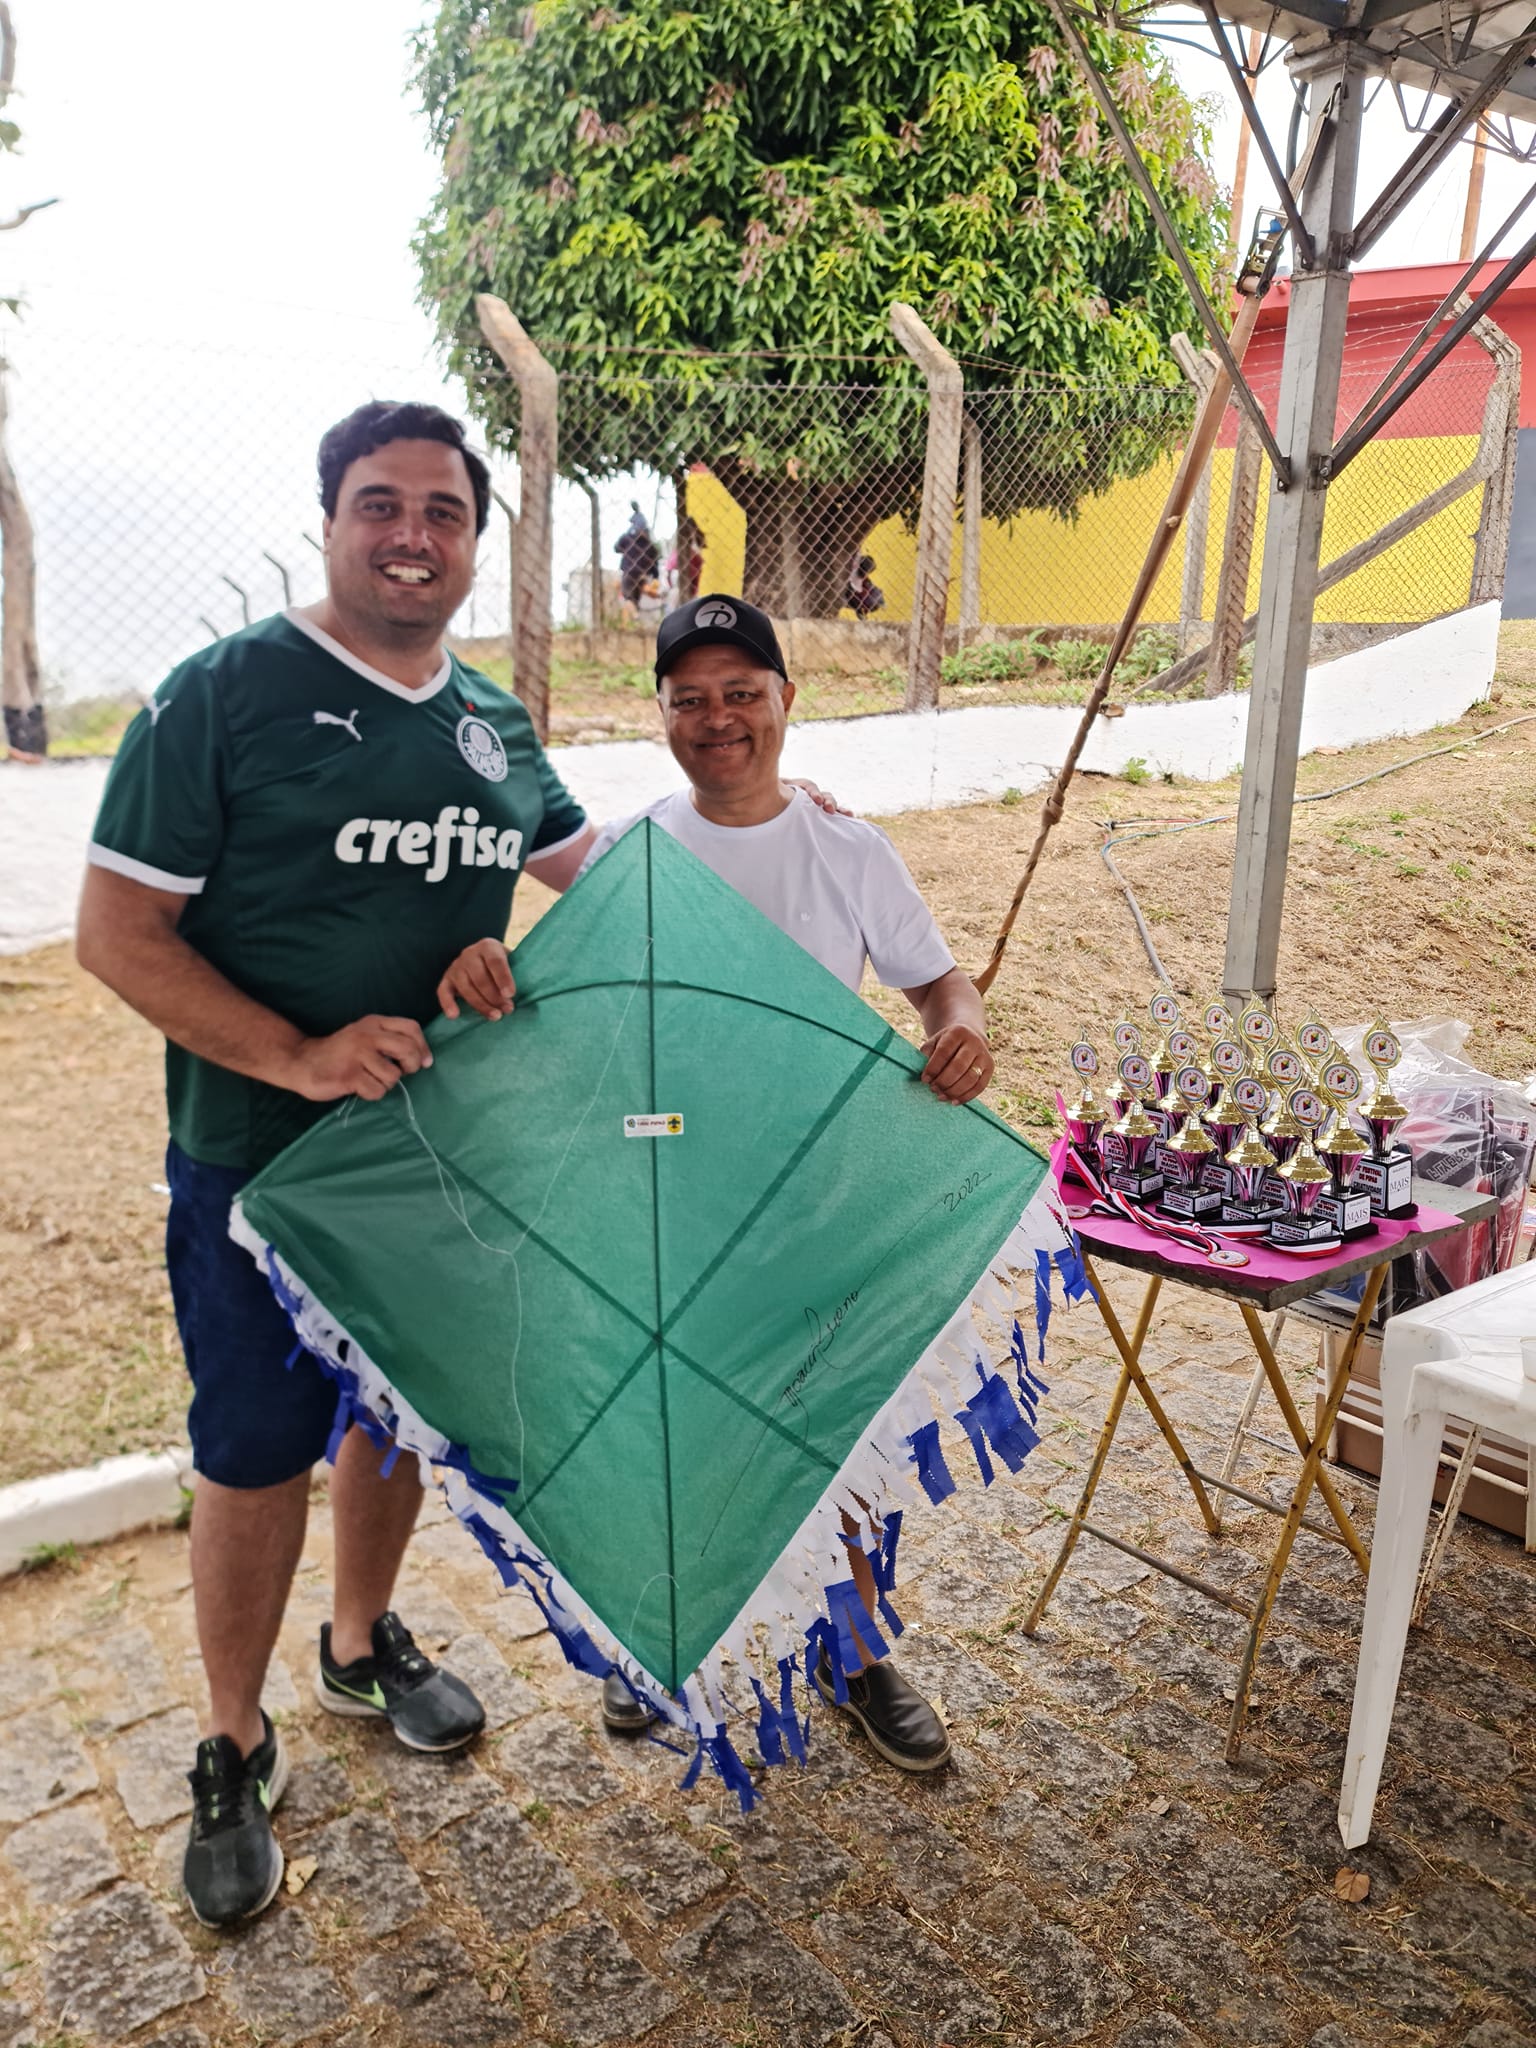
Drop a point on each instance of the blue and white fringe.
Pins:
(809, 1600)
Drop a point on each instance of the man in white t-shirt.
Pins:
(838, 887)
(834, 884)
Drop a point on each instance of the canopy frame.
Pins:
(1337, 48)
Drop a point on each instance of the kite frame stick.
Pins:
(1197, 450)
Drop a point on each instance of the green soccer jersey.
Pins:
(338, 837)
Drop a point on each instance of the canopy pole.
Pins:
(1309, 392)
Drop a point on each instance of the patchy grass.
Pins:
(1445, 926)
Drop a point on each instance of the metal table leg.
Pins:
(1131, 1375)
(1311, 1473)
(1287, 1405)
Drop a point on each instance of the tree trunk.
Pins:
(802, 539)
(21, 675)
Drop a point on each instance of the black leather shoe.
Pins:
(893, 1714)
(622, 1712)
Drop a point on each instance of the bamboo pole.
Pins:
(1197, 451)
(1244, 142)
(1199, 366)
(1474, 211)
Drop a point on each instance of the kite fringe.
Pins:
(808, 1607)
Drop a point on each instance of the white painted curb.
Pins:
(92, 1504)
(925, 760)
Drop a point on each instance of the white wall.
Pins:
(927, 760)
(878, 766)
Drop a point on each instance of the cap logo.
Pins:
(722, 615)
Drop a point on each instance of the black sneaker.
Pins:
(428, 1708)
(622, 1711)
(900, 1723)
(233, 1866)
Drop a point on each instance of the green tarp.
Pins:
(652, 1354)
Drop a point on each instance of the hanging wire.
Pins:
(1114, 838)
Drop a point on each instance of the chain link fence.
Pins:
(1409, 533)
(173, 496)
(168, 508)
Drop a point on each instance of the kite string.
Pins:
(458, 1209)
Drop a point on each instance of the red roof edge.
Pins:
(1407, 288)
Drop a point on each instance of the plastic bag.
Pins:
(1466, 1129)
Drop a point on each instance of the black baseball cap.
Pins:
(715, 621)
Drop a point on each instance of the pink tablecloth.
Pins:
(1265, 1268)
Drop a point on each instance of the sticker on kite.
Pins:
(653, 1126)
(652, 1379)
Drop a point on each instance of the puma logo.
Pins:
(347, 724)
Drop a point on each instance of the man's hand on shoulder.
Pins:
(366, 1058)
(821, 798)
(482, 977)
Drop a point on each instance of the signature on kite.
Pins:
(823, 1330)
(966, 1188)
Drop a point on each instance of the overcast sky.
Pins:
(229, 268)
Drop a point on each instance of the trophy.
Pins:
(1281, 1130)
(1303, 1177)
(1183, 1157)
(1314, 1041)
(1386, 1174)
(1259, 1032)
(1250, 1161)
(1126, 1146)
(1164, 1012)
(1183, 1050)
(1125, 1038)
(1224, 1119)
(1085, 1115)
(1342, 1147)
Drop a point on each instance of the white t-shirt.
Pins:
(836, 886)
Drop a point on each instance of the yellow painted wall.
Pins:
(1043, 571)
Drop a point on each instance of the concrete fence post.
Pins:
(21, 671)
(936, 523)
(1231, 612)
(510, 515)
(1200, 367)
(1497, 447)
(538, 452)
(970, 531)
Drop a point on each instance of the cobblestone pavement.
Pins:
(1087, 1871)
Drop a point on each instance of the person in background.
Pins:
(639, 558)
(864, 594)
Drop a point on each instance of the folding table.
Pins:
(1442, 1212)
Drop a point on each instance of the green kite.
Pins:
(663, 1272)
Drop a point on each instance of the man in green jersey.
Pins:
(298, 835)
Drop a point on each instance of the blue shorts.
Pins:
(254, 1420)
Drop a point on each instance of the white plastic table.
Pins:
(1458, 1356)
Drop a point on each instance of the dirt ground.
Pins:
(1410, 896)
